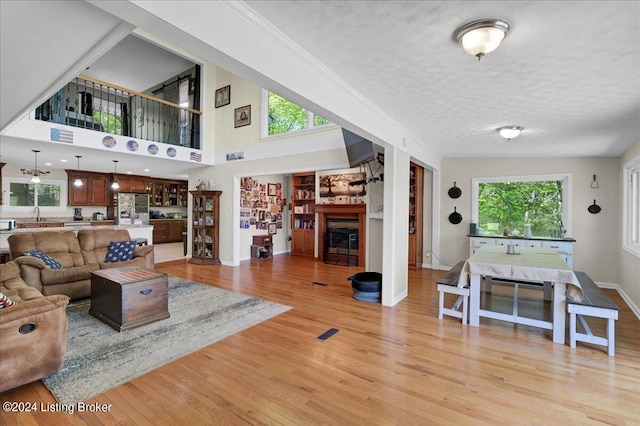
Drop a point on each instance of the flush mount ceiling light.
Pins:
(509, 132)
(478, 38)
(78, 181)
(115, 184)
(35, 172)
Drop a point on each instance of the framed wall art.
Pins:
(242, 116)
(223, 96)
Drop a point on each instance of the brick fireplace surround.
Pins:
(342, 211)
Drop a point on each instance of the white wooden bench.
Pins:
(594, 304)
(448, 283)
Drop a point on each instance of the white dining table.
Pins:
(536, 265)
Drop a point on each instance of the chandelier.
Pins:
(35, 172)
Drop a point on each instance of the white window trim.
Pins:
(6, 189)
(631, 208)
(264, 122)
(567, 185)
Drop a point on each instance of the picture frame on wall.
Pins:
(223, 96)
(242, 116)
(271, 190)
(272, 228)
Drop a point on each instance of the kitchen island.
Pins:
(135, 231)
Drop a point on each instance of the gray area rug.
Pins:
(99, 358)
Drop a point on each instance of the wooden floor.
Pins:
(385, 366)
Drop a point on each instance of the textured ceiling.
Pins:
(568, 72)
(147, 65)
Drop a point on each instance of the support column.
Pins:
(395, 227)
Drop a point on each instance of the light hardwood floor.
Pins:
(385, 366)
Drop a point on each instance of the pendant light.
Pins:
(35, 172)
(115, 184)
(78, 182)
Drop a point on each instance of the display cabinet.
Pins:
(303, 214)
(205, 215)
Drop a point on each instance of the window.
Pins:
(542, 201)
(108, 113)
(631, 212)
(49, 195)
(284, 116)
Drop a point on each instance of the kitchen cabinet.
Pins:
(205, 216)
(129, 183)
(167, 231)
(94, 191)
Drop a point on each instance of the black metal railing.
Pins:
(96, 105)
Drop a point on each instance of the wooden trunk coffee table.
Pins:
(126, 299)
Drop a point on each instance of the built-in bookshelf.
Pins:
(416, 177)
(303, 216)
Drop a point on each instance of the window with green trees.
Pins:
(34, 195)
(505, 203)
(285, 116)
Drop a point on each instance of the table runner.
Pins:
(536, 264)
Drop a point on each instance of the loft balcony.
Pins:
(100, 106)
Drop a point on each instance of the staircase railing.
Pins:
(93, 104)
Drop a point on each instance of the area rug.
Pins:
(99, 358)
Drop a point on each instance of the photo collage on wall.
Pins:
(261, 205)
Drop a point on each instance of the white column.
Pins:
(395, 228)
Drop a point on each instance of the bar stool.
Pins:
(141, 241)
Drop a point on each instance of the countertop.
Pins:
(71, 228)
(520, 237)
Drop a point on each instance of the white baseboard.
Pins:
(634, 308)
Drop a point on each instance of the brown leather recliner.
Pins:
(33, 332)
(79, 256)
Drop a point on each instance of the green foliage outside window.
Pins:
(110, 122)
(285, 116)
(24, 195)
(514, 204)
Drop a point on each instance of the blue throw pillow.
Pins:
(119, 251)
(49, 261)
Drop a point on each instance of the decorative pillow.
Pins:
(49, 261)
(120, 251)
(5, 302)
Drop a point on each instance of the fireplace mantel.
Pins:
(342, 211)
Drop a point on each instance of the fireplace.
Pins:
(341, 233)
(341, 242)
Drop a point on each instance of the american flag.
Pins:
(195, 156)
(60, 135)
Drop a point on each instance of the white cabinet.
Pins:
(564, 248)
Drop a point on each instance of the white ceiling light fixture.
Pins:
(115, 184)
(35, 172)
(480, 37)
(78, 182)
(510, 132)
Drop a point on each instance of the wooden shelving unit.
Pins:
(303, 216)
(205, 219)
(416, 179)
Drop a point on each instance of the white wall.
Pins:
(280, 239)
(629, 264)
(596, 250)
